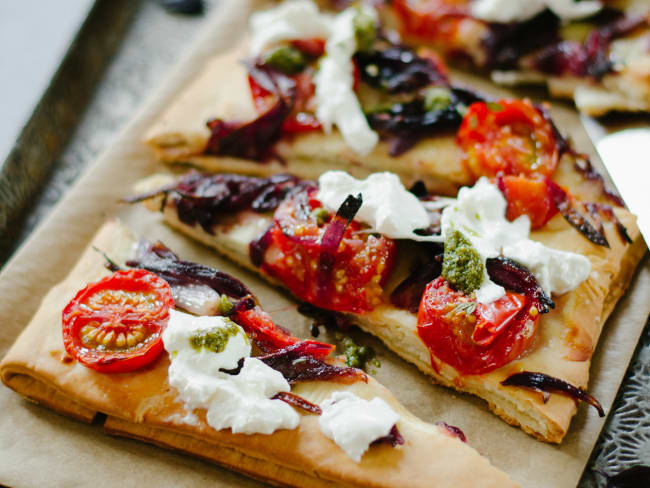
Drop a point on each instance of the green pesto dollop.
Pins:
(357, 356)
(287, 59)
(462, 266)
(214, 339)
(365, 30)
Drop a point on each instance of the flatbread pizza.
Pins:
(182, 356)
(593, 52)
(416, 271)
(287, 100)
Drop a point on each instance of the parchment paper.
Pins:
(40, 448)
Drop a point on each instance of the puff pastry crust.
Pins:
(566, 337)
(142, 405)
(221, 91)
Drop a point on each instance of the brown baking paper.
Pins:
(40, 448)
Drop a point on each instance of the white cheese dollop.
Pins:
(299, 19)
(520, 10)
(241, 402)
(387, 207)
(354, 423)
(336, 102)
(480, 215)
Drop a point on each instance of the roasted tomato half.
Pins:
(301, 119)
(527, 196)
(510, 137)
(362, 263)
(115, 324)
(475, 338)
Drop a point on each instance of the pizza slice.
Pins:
(594, 52)
(181, 355)
(459, 287)
(287, 100)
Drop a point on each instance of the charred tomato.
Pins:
(527, 196)
(361, 266)
(471, 337)
(511, 137)
(115, 324)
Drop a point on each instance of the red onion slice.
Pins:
(579, 221)
(298, 402)
(330, 243)
(544, 382)
(297, 363)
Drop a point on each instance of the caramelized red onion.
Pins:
(408, 294)
(583, 165)
(254, 139)
(453, 431)
(394, 438)
(567, 207)
(404, 124)
(588, 59)
(545, 383)
(257, 247)
(513, 276)
(298, 402)
(328, 318)
(596, 210)
(507, 43)
(159, 259)
(296, 364)
(331, 240)
(203, 198)
(398, 69)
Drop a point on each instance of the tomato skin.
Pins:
(93, 306)
(311, 47)
(435, 21)
(510, 137)
(527, 196)
(363, 261)
(449, 335)
(300, 119)
(260, 327)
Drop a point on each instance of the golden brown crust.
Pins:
(143, 405)
(566, 338)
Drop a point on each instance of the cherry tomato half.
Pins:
(527, 196)
(510, 137)
(482, 340)
(363, 261)
(115, 324)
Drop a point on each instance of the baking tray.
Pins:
(632, 401)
